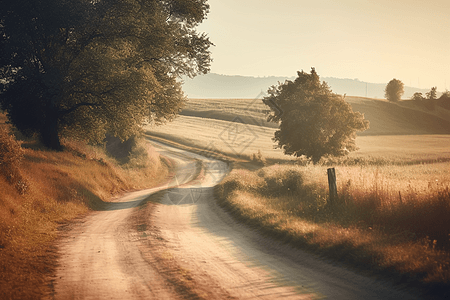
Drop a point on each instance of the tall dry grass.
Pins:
(388, 217)
(60, 187)
(11, 155)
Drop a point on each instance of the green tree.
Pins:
(394, 90)
(83, 68)
(313, 120)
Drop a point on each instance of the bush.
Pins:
(132, 153)
(139, 154)
(281, 180)
(11, 153)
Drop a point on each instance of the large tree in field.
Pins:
(313, 120)
(394, 90)
(84, 67)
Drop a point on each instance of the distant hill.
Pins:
(403, 118)
(225, 86)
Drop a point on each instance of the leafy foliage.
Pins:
(445, 94)
(431, 97)
(313, 120)
(394, 90)
(84, 68)
(417, 96)
(432, 94)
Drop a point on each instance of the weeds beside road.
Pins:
(369, 227)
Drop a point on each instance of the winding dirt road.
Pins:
(181, 245)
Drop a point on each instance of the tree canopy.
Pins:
(313, 120)
(432, 94)
(84, 68)
(417, 96)
(394, 90)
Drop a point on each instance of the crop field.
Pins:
(239, 127)
(400, 161)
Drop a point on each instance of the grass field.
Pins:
(238, 127)
(394, 199)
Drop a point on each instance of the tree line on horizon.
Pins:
(395, 89)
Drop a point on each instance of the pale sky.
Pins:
(372, 40)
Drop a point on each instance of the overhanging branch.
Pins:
(76, 106)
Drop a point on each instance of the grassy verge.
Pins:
(390, 220)
(46, 190)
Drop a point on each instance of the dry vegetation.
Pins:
(392, 214)
(394, 197)
(41, 191)
(380, 218)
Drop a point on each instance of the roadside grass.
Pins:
(392, 219)
(393, 209)
(60, 186)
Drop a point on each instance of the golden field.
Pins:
(399, 132)
(394, 199)
(392, 214)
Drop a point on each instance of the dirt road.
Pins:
(181, 245)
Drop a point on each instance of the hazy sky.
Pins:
(372, 40)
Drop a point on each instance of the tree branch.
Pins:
(76, 106)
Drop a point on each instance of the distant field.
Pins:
(398, 132)
(404, 117)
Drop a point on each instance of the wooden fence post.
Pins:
(332, 185)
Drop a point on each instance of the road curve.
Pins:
(192, 243)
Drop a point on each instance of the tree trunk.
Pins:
(49, 132)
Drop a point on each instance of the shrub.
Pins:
(139, 154)
(281, 181)
(11, 153)
(132, 153)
